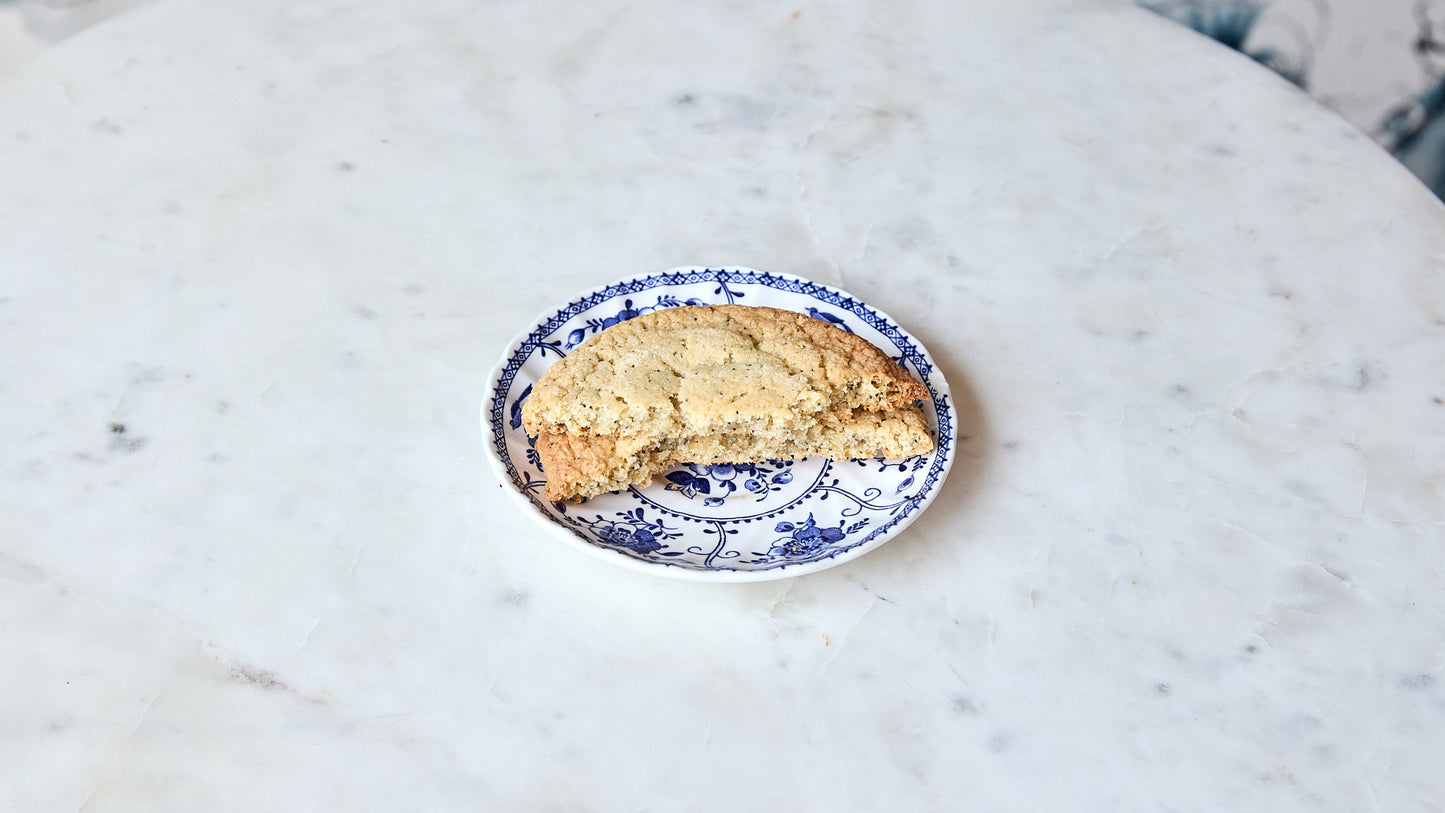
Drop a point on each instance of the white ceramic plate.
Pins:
(722, 523)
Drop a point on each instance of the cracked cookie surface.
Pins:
(699, 369)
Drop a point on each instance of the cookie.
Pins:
(717, 384)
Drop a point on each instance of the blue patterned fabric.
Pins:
(1413, 128)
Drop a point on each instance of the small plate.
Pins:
(738, 523)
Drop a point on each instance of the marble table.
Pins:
(256, 259)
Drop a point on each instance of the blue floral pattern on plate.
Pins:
(715, 483)
(742, 522)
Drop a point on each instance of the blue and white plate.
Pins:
(738, 523)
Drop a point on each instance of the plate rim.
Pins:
(940, 392)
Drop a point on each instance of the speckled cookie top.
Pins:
(700, 369)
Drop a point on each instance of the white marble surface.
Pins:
(256, 257)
